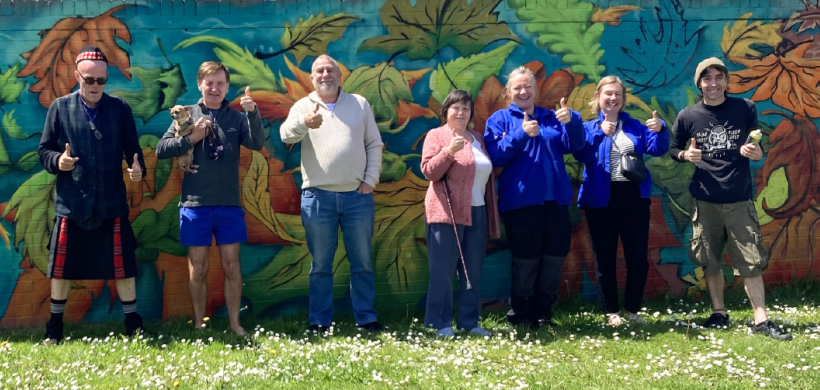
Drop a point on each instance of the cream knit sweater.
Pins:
(344, 151)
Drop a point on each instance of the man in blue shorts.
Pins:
(209, 204)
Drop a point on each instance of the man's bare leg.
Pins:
(229, 253)
(757, 296)
(197, 284)
(716, 284)
(60, 289)
(126, 289)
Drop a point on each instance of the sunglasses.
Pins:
(91, 80)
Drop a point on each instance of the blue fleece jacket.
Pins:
(533, 167)
(595, 157)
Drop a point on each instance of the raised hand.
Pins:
(135, 172)
(456, 143)
(654, 124)
(313, 119)
(693, 154)
(530, 126)
(563, 114)
(247, 102)
(610, 125)
(66, 162)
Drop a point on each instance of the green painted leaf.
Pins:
(776, 194)
(310, 37)
(160, 90)
(10, 86)
(565, 27)
(422, 30)
(158, 232)
(383, 86)
(12, 128)
(468, 73)
(34, 219)
(246, 70)
(673, 179)
(28, 161)
(393, 167)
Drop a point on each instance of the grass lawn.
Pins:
(666, 353)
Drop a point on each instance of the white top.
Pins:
(483, 169)
(344, 151)
(620, 144)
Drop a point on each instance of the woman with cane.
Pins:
(461, 212)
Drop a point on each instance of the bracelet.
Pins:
(682, 155)
(188, 138)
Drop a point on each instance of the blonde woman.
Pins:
(615, 206)
(534, 191)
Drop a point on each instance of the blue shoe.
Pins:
(446, 333)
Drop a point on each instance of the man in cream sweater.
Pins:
(341, 162)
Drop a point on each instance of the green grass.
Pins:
(666, 353)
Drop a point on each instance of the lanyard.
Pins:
(91, 115)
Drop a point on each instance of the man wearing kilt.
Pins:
(86, 135)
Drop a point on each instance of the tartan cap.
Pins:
(91, 53)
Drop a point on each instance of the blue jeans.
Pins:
(444, 258)
(323, 212)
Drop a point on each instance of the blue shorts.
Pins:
(197, 225)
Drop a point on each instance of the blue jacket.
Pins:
(529, 162)
(595, 157)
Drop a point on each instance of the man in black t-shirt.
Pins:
(723, 214)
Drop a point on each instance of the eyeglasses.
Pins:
(91, 80)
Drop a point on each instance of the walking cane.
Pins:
(455, 230)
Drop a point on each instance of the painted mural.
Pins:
(404, 57)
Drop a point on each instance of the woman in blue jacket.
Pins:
(529, 144)
(615, 206)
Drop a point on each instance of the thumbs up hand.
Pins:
(135, 172)
(693, 154)
(66, 162)
(247, 102)
(530, 126)
(563, 114)
(654, 124)
(313, 119)
(456, 143)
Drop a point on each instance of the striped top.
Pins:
(620, 144)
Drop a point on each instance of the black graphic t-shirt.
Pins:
(719, 131)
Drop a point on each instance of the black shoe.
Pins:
(54, 332)
(768, 328)
(133, 323)
(717, 320)
(372, 327)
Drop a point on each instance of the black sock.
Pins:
(129, 308)
(57, 309)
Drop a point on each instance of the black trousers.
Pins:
(626, 217)
(539, 238)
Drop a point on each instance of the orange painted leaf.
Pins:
(52, 61)
(407, 111)
(489, 100)
(612, 15)
(783, 76)
(551, 89)
(797, 148)
(793, 246)
(272, 106)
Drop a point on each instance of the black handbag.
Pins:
(632, 165)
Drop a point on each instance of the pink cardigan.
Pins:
(436, 161)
